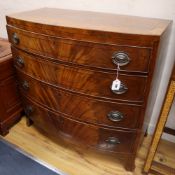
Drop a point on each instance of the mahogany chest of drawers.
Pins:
(10, 103)
(66, 62)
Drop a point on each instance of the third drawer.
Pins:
(79, 107)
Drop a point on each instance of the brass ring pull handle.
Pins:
(19, 62)
(25, 85)
(120, 58)
(115, 116)
(121, 90)
(112, 140)
(15, 39)
(28, 110)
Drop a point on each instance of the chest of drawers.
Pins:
(66, 62)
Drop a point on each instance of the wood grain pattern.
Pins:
(6, 62)
(160, 125)
(4, 50)
(64, 156)
(93, 35)
(10, 105)
(161, 169)
(165, 155)
(80, 107)
(82, 53)
(87, 72)
(93, 21)
(78, 79)
(7, 69)
(90, 135)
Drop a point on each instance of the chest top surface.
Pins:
(93, 21)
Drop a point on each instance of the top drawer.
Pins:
(105, 56)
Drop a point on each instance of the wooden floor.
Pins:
(74, 161)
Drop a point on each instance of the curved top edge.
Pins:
(95, 21)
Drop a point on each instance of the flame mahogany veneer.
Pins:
(66, 61)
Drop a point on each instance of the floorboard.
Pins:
(75, 161)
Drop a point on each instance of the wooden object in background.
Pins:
(160, 127)
(66, 63)
(10, 104)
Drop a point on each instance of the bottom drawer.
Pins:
(101, 138)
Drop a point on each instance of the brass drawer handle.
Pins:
(28, 110)
(112, 141)
(25, 85)
(115, 116)
(121, 90)
(120, 58)
(15, 39)
(19, 62)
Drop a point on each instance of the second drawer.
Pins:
(80, 107)
(78, 79)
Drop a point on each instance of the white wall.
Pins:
(147, 8)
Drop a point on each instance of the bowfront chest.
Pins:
(66, 62)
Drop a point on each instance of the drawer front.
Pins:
(79, 132)
(104, 56)
(86, 81)
(79, 107)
